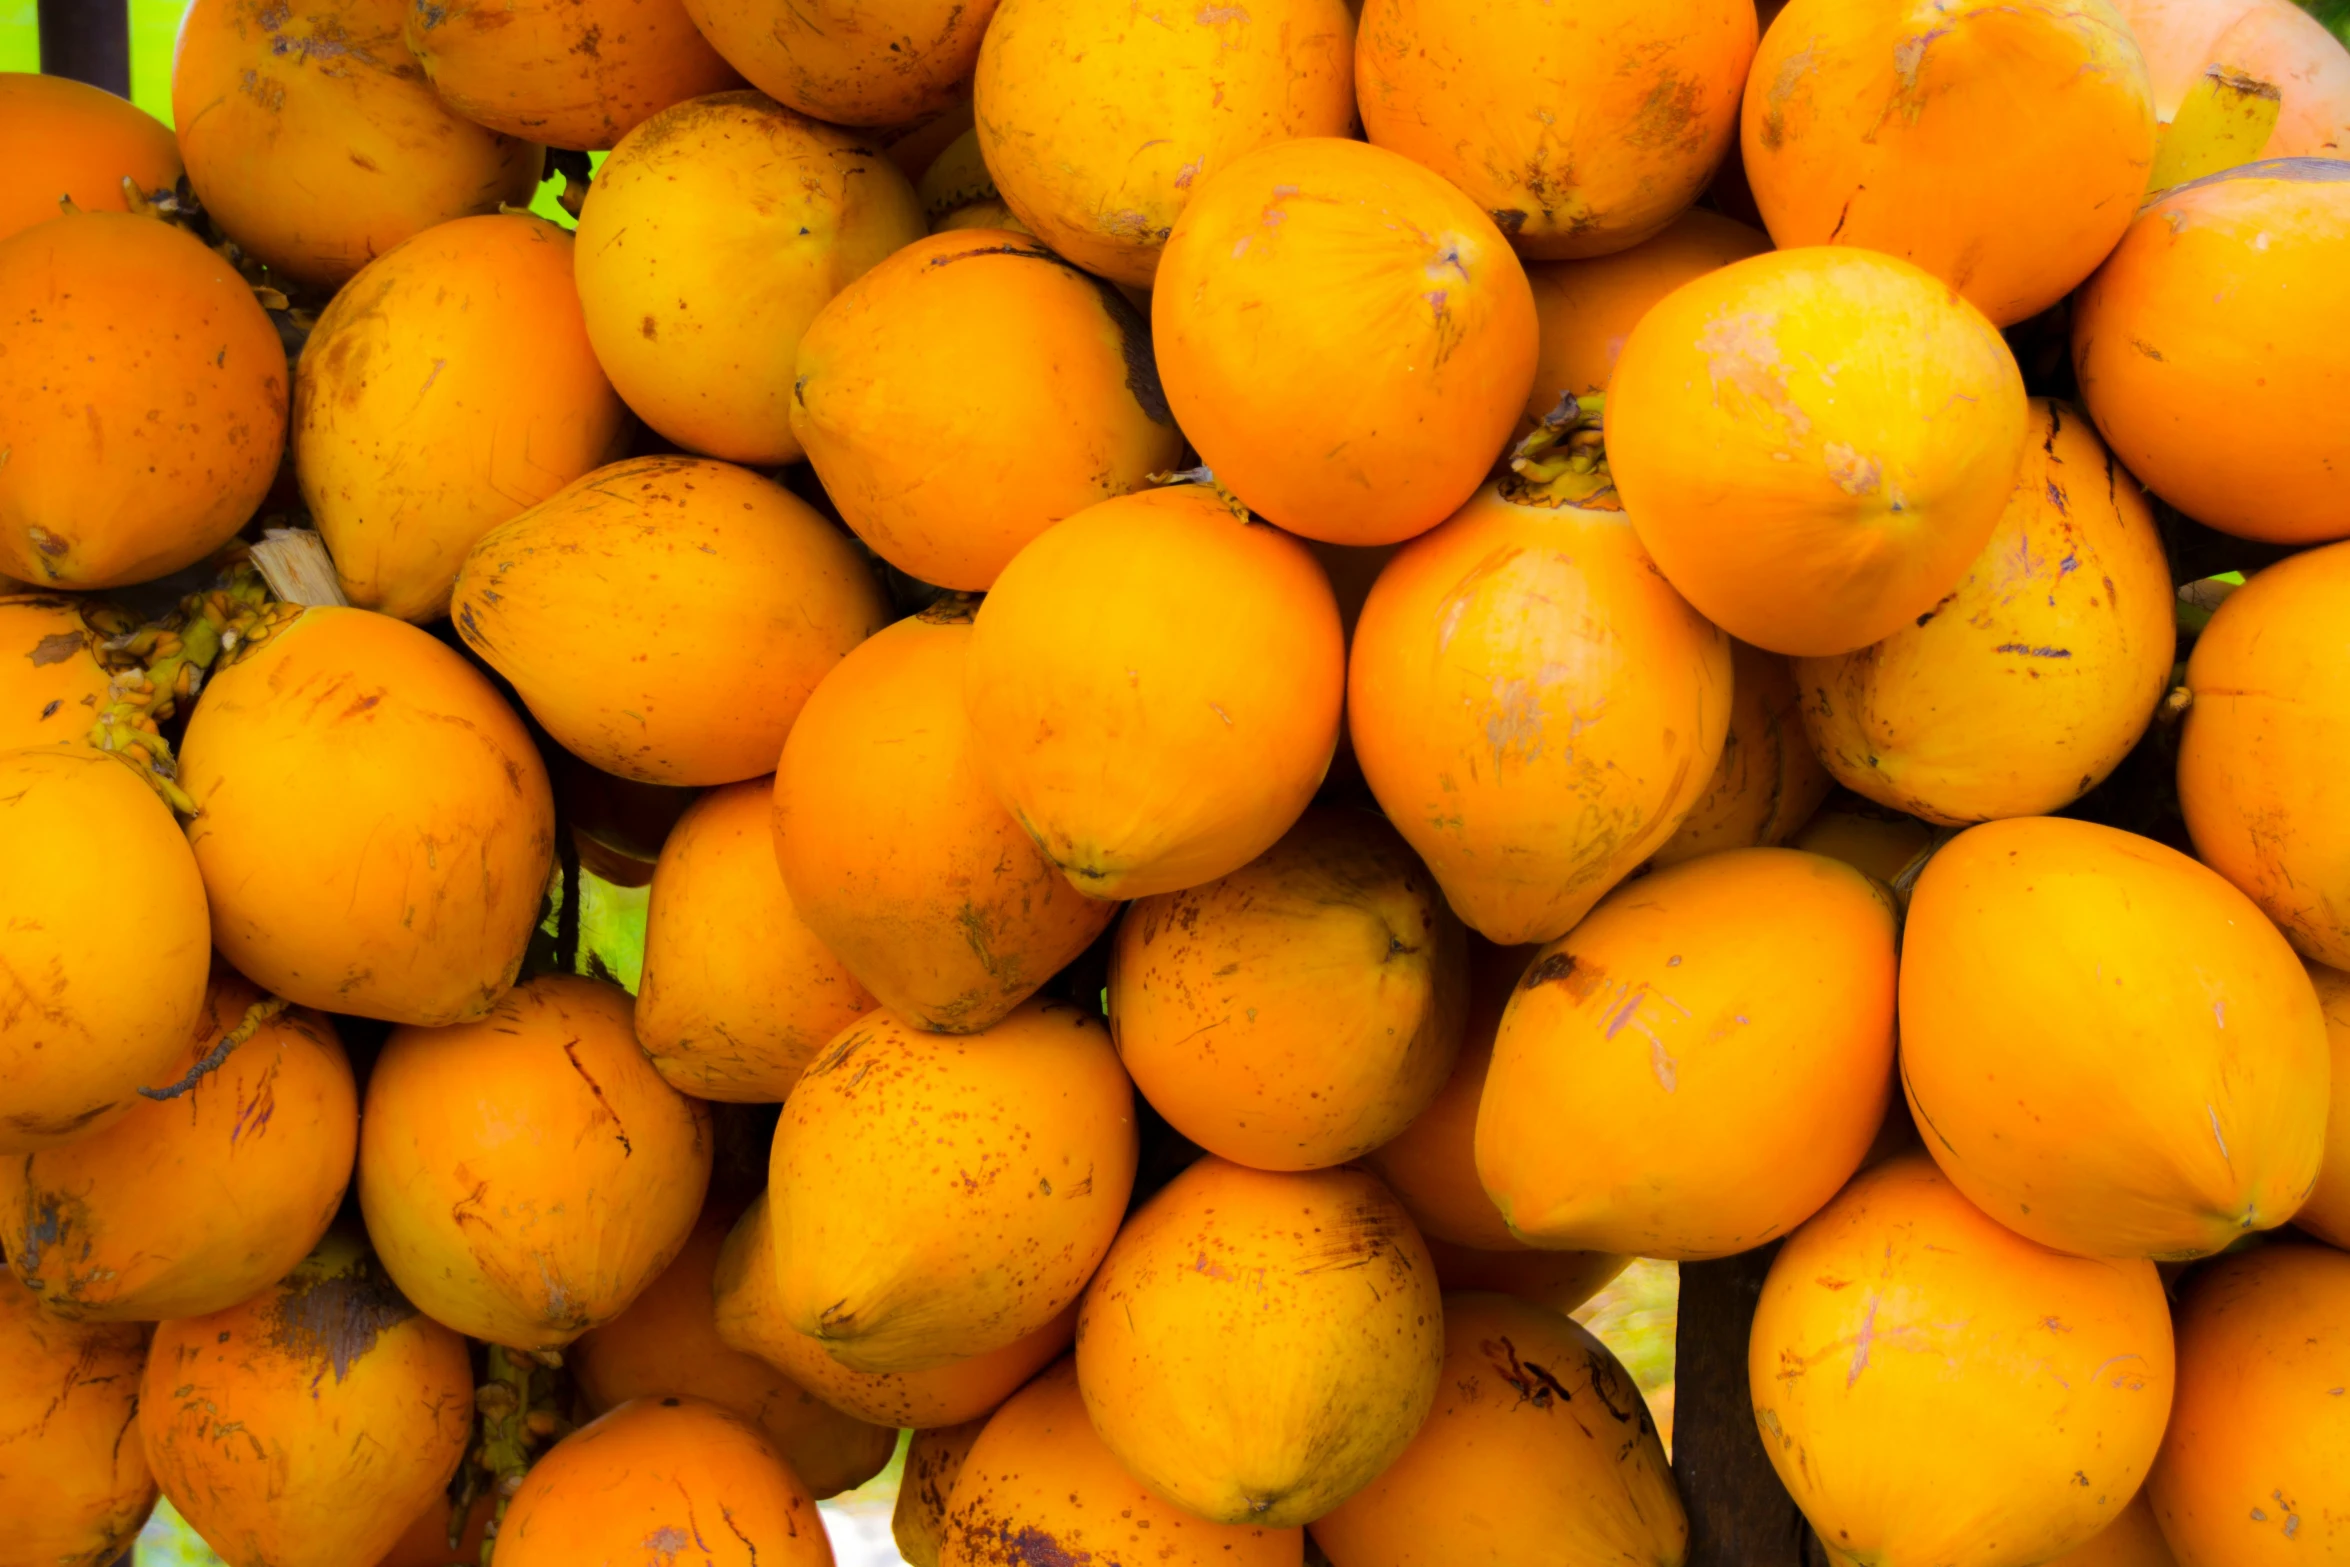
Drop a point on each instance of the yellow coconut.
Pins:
(73, 1474)
(2327, 1213)
(1769, 780)
(933, 1458)
(2132, 1540)
(1864, 835)
(52, 687)
(569, 73)
(852, 62)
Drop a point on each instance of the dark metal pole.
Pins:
(88, 40)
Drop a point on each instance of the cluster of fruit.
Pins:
(1235, 628)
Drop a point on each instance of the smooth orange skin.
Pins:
(2057, 970)
(1769, 780)
(2327, 1213)
(148, 408)
(306, 1426)
(1582, 132)
(76, 1492)
(1317, 264)
(851, 62)
(426, 1544)
(83, 1023)
(1536, 709)
(714, 234)
(2251, 1470)
(413, 900)
(1557, 1280)
(1258, 1346)
(1933, 1388)
(448, 388)
(738, 994)
(567, 73)
(526, 1176)
(1301, 1011)
(918, 1522)
(1698, 1067)
(2204, 339)
(1814, 444)
(667, 1342)
(1038, 377)
(185, 1207)
(2133, 1539)
(2025, 688)
(1585, 310)
(1540, 1448)
(1900, 129)
(896, 855)
(1040, 1485)
(939, 1196)
(2260, 758)
(1864, 835)
(666, 617)
(751, 1319)
(51, 689)
(76, 141)
(657, 1477)
(1100, 121)
(278, 101)
(2271, 41)
(1154, 690)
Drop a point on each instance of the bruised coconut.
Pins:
(79, 142)
(1531, 619)
(413, 899)
(1769, 780)
(146, 419)
(526, 1176)
(446, 389)
(851, 62)
(1257, 1346)
(567, 73)
(73, 1475)
(105, 1019)
(666, 617)
(279, 100)
(895, 853)
(738, 994)
(306, 1426)
(742, 220)
(939, 1196)
(1038, 377)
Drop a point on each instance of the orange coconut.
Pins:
(2133, 1539)
(918, 1521)
(1932, 1387)
(2029, 683)
(306, 1426)
(569, 73)
(2251, 1472)
(1814, 444)
(1864, 835)
(2199, 51)
(938, 1196)
(2052, 968)
(76, 142)
(712, 236)
(427, 1544)
(1560, 1281)
(852, 62)
(1302, 1010)
(526, 1176)
(738, 994)
(1535, 708)
(52, 687)
(413, 899)
(983, 343)
(897, 856)
(1769, 780)
(1586, 309)
(1540, 1448)
(2327, 1213)
(2261, 757)
(448, 388)
(1582, 132)
(69, 1395)
(655, 1478)
(104, 973)
(666, 617)
(279, 101)
(147, 410)
(189, 1205)
(1258, 1346)
(1345, 338)
(1154, 688)
(667, 1342)
(958, 191)
(1698, 1066)
(751, 1319)
(1101, 121)
(1040, 1485)
(2206, 338)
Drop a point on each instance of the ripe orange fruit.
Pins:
(579, 73)
(76, 141)
(1769, 780)
(69, 1398)
(851, 62)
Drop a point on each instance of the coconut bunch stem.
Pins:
(518, 1416)
(1564, 461)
